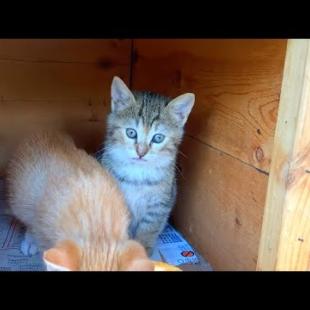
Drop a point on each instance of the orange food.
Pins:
(160, 266)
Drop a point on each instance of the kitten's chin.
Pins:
(138, 160)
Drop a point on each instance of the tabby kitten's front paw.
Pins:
(28, 246)
(149, 251)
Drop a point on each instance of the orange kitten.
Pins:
(71, 207)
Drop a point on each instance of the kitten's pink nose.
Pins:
(141, 150)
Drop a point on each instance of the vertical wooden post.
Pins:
(285, 237)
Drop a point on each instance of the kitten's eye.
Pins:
(158, 138)
(131, 133)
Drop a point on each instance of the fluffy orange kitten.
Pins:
(71, 206)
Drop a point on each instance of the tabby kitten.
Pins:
(144, 130)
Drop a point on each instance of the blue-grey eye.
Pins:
(131, 133)
(158, 138)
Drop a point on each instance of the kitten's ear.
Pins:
(181, 106)
(133, 257)
(121, 96)
(65, 256)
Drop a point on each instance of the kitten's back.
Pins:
(48, 170)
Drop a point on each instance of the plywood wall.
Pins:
(57, 84)
(229, 136)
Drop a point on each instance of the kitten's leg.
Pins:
(132, 228)
(28, 246)
(149, 228)
(147, 236)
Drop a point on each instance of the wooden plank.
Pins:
(285, 240)
(220, 206)
(19, 118)
(33, 78)
(237, 86)
(61, 84)
(102, 52)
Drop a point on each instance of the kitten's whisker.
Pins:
(99, 152)
(179, 171)
(102, 149)
(181, 153)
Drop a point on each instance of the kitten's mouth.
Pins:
(137, 159)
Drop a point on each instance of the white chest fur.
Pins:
(140, 198)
